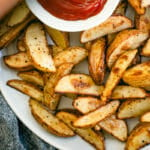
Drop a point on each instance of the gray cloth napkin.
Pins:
(14, 135)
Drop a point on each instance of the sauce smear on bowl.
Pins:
(73, 9)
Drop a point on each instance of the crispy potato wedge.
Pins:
(136, 4)
(111, 25)
(78, 84)
(116, 127)
(139, 137)
(33, 76)
(37, 48)
(138, 76)
(89, 135)
(21, 45)
(145, 3)
(146, 49)
(26, 88)
(19, 14)
(97, 60)
(145, 117)
(125, 40)
(51, 99)
(13, 32)
(126, 92)
(92, 118)
(48, 121)
(71, 55)
(56, 50)
(87, 104)
(133, 108)
(121, 8)
(116, 73)
(60, 38)
(88, 45)
(19, 61)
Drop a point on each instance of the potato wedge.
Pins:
(121, 8)
(92, 118)
(78, 84)
(48, 121)
(21, 45)
(145, 117)
(19, 61)
(145, 3)
(26, 88)
(87, 104)
(71, 55)
(60, 38)
(88, 45)
(111, 37)
(13, 32)
(136, 4)
(51, 99)
(19, 14)
(89, 135)
(133, 108)
(111, 25)
(33, 76)
(125, 40)
(37, 48)
(116, 73)
(116, 127)
(138, 76)
(56, 50)
(97, 60)
(139, 137)
(146, 49)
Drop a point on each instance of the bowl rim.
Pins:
(71, 26)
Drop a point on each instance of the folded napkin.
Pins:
(14, 135)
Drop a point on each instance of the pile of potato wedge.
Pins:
(116, 88)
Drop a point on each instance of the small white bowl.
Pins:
(71, 26)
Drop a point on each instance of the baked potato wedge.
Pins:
(56, 50)
(146, 49)
(138, 75)
(51, 99)
(133, 108)
(19, 61)
(112, 25)
(116, 73)
(48, 121)
(125, 40)
(145, 117)
(78, 84)
(99, 114)
(71, 55)
(139, 137)
(32, 76)
(21, 45)
(37, 48)
(88, 45)
(96, 60)
(145, 3)
(59, 38)
(27, 88)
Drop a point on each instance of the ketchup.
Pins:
(73, 9)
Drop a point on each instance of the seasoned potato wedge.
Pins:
(97, 60)
(70, 55)
(145, 3)
(125, 40)
(51, 99)
(33, 76)
(111, 25)
(88, 45)
(136, 4)
(78, 84)
(19, 61)
(19, 14)
(114, 126)
(48, 121)
(139, 137)
(121, 8)
(60, 38)
(26, 88)
(146, 49)
(56, 50)
(111, 37)
(133, 108)
(21, 45)
(138, 76)
(92, 137)
(116, 73)
(87, 104)
(145, 117)
(37, 48)
(92, 118)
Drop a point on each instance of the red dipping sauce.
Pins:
(73, 9)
